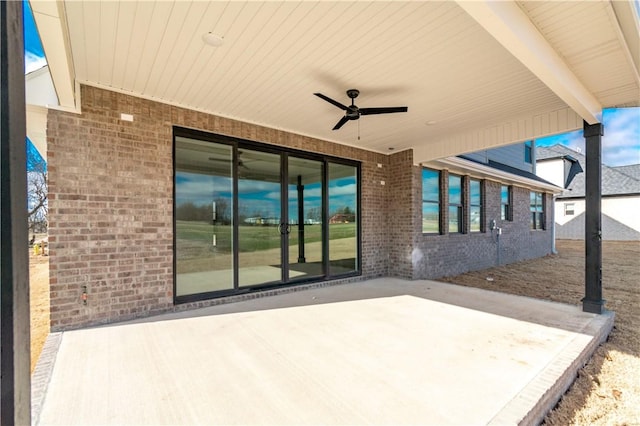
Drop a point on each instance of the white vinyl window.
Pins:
(569, 209)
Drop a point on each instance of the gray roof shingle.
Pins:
(632, 170)
(614, 180)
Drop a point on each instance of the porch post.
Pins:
(15, 386)
(593, 301)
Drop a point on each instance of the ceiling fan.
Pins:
(353, 112)
(228, 160)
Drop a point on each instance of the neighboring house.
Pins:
(620, 194)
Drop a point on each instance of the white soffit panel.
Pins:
(431, 56)
(49, 18)
(512, 28)
(517, 130)
(595, 44)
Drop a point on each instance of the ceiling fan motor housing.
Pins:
(352, 112)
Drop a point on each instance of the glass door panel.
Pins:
(203, 217)
(259, 218)
(343, 215)
(304, 192)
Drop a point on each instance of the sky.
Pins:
(262, 197)
(620, 143)
(621, 140)
(33, 53)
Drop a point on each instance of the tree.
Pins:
(37, 190)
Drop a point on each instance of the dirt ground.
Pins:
(607, 390)
(39, 298)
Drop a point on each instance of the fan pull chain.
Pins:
(358, 129)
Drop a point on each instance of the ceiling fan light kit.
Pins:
(353, 112)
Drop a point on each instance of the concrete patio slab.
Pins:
(383, 351)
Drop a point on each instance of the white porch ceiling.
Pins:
(430, 56)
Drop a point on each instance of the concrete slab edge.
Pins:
(191, 306)
(42, 375)
(540, 396)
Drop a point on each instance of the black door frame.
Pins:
(284, 153)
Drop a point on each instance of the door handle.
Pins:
(284, 228)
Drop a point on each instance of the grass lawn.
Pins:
(255, 237)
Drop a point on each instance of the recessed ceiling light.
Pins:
(431, 122)
(391, 148)
(212, 39)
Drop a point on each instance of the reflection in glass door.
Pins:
(203, 217)
(249, 217)
(343, 217)
(304, 191)
(259, 218)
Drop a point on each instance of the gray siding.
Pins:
(511, 155)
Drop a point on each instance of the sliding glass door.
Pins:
(259, 218)
(249, 216)
(305, 207)
(203, 217)
(343, 218)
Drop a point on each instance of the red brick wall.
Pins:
(110, 208)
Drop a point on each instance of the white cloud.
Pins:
(621, 140)
(33, 62)
(349, 189)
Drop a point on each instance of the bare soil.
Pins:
(39, 300)
(607, 390)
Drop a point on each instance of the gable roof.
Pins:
(614, 180)
(632, 170)
(506, 168)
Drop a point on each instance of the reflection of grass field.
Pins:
(430, 226)
(254, 238)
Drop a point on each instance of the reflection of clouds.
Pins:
(201, 189)
(272, 195)
(259, 196)
(349, 189)
(430, 184)
(248, 186)
(257, 205)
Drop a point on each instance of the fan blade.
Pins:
(383, 110)
(331, 101)
(341, 122)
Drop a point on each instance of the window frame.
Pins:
(437, 203)
(506, 209)
(479, 205)
(528, 152)
(537, 210)
(568, 209)
(460, 207)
